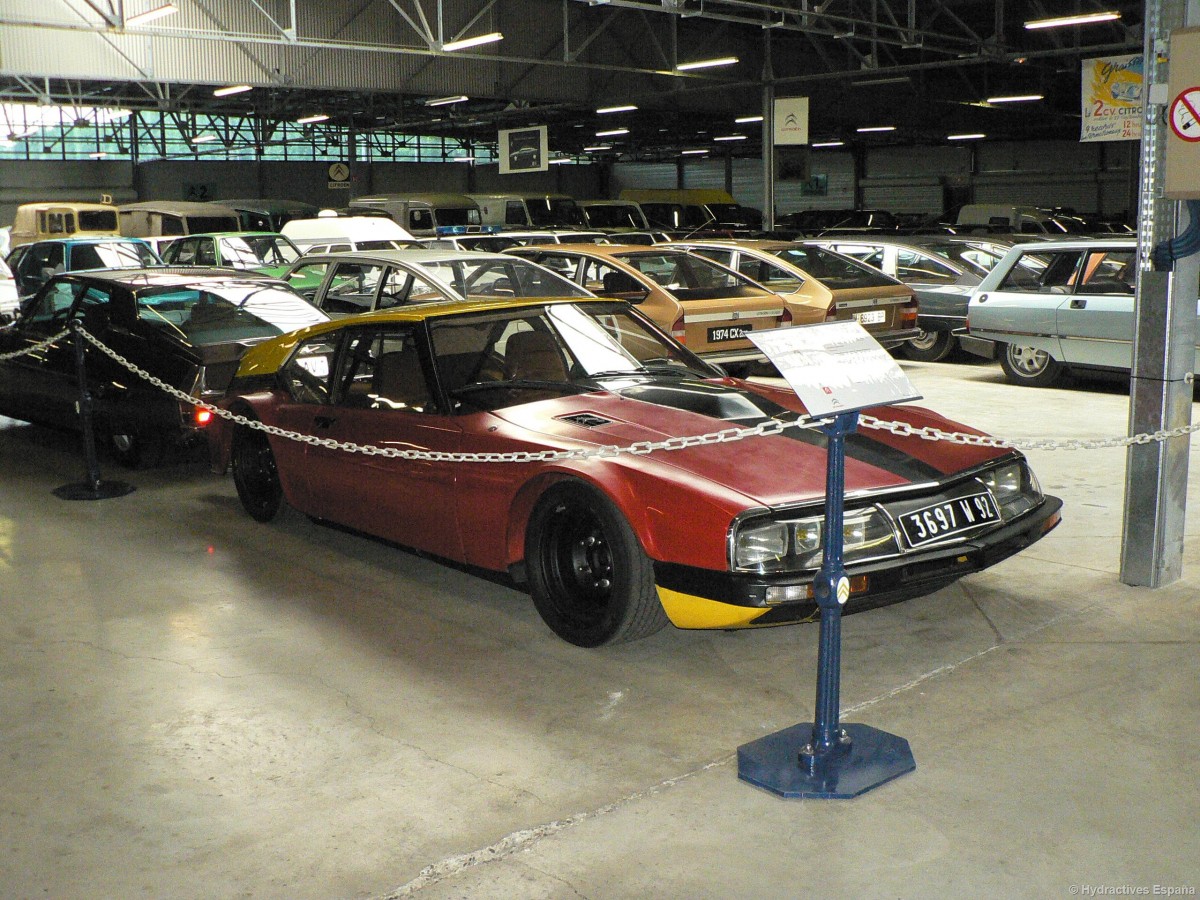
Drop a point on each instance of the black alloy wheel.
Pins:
(930, 346)
(255, 474)
(591, 581)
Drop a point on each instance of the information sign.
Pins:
(835, 367)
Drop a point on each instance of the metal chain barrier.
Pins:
(608, 451)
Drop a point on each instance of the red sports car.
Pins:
(490, 432)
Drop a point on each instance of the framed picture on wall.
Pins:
(524, 150)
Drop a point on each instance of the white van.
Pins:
(426, 214)
(529, 210)
(999, 217)
(337, 234)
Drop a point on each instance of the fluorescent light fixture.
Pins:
(473, 41)
(868, 82)
(746, 120)
(829, 144)
(308, 120)
(597, 148)
(629, 107)
(232, 89)
(100, 154)
(204, 138)
(150, 15)
(561, 161)
(1082, 19)
(730, 137)
(693, 152)
(446, 101)
(873, 128)
(965, 137)
(612, 132)
(706, 64)
(1016, 98)
(466, 159)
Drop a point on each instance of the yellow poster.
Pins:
(1112, 99)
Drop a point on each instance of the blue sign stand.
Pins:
(821, 759)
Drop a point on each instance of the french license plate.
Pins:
(727, 333)
(871, 317)
(942, 520)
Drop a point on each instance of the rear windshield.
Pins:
(98, 220)
(113, 255)
(614, 216)
(206, 224)
(833, 269)
(220, 312)
(689, 277)
(546, 212)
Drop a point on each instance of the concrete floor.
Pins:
(197, 705)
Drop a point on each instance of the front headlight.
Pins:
(1014, 488)
(795, 545)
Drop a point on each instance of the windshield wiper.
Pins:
(520, 384)
(651, 369)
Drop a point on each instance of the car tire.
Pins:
(135, 450)
(591, 580)
(930, 346)
(255, 474)
(1025, 365)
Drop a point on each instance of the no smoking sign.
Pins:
(1185, 115)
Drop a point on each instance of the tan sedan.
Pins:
(821, 285)
(705, 305)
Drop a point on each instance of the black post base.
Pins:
(100, 490)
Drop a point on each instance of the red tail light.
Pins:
(786, 318)
(831, 315)
(201, 417)
(908, 315)
(677, 330)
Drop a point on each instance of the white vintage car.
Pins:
(1074, 313)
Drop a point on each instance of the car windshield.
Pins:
(689, 277)
(546, 212)
(223, 311)
(506, 277)
(615, 216)
(833, 269)
(497, 359)
(251, 250)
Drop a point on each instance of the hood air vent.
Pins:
(586, 420)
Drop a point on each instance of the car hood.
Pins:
(771, 471)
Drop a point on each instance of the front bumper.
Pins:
(700, 598)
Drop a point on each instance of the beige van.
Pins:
(158, 218)
(40, 221)
(529, 210)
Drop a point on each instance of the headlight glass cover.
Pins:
(1014, 488)
(768, 546)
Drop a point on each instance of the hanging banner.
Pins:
(1112, 99)
(791, 121)
(524, 150)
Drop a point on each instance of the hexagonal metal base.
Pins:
(872, 758)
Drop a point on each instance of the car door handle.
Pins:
(323, 421)
(1078, 304)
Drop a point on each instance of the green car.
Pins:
(257, 251)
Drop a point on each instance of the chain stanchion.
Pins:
(94, 488)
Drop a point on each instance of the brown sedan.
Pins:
(705, 305)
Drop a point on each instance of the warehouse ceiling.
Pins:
(926, 67)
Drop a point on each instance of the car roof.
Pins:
(417, 255)
(167, 276)
(222, 234)
(93, 239)
(734, 243)
(1102, 243)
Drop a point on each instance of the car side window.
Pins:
(308, 375)
(913, 266)
(1058, 276)
(352, 288)
(401, 286)
(382, 369)
(206, 253)
(420, 220)
(306, 279)
(53, 305)
(514, 213)
(1108, 272)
